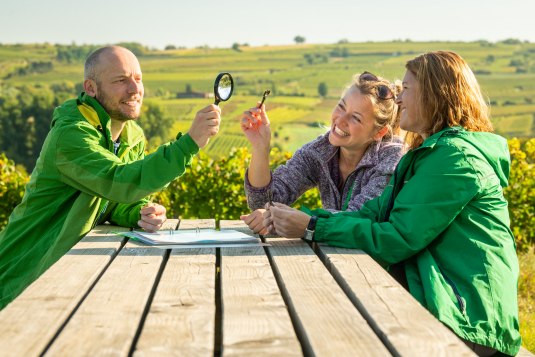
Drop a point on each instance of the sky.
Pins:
(192, 23)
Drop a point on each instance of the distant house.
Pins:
(194, 95)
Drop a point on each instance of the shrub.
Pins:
(521, 191)
(12, 182)
(214, 188)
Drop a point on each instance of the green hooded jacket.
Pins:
(78, 182)
(444, 216)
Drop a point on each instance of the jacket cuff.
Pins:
(187, 144)
(252, 189)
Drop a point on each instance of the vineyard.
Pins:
(505, 70)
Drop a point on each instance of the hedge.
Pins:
(214, 189)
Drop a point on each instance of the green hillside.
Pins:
(505, 70)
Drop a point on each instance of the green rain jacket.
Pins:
(79, 182)
(444, 216)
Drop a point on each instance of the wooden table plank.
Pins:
(181, 318)
(327, 321)
(170, 224)
(255, 319)
(32, 319)
(524, 353)
(197, 223)
(107, 321)
(389, 308)
(238, 225)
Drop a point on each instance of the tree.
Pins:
(236, 47)
(299, 39)
(322, 89)
(155, 124)
(25, 115)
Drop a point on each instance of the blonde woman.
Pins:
(350, 164)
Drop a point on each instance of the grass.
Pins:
(526, 298)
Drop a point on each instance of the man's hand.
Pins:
(205, 125)
(152, 217)
(285, 221)
(255, 221)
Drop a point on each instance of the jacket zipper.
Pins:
(103, 210)
(460, 301)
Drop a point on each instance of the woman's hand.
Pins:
(255, 221)
(255, 125)
(152, 217)
(285, 221)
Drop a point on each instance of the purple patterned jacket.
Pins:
(316, 164)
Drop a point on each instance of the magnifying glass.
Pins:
(223, 87)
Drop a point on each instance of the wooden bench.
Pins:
(110, 296)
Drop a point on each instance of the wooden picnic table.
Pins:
(112, 296)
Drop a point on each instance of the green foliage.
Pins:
(236, 47)
(521, 191)
(155, 123)
(214, 188)
(209, 189)
(137, 48)
(299, 39)
(25, 116)
(526, 297)
(322, 89)
(12, 182)
(74, 53)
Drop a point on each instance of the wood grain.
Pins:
(32, 319)
(389, 308)
(327, 321)
(181, 318)
(107, 321)
(256, 321)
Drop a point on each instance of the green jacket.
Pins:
(79, 182)
(449, 225)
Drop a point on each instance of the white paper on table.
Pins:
(192, 237)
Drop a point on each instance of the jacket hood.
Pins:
(69, 112)
(493, 148)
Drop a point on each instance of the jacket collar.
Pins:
(97, 116)
(98, 113)
(433, 139)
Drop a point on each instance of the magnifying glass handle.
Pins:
(216, 102)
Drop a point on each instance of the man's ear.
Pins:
(90, 87)
(379, 135)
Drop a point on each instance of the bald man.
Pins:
(92, 169)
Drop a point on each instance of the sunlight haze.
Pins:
(221, 23)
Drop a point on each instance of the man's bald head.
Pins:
(113, 77)
(93, 62)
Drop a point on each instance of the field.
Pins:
(506, 72)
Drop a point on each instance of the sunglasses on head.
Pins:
(382, 91)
